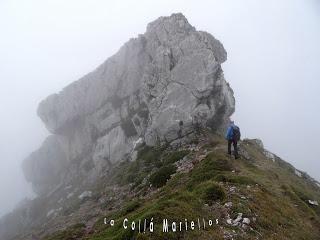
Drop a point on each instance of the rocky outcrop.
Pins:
(158, 87)
(44, 167)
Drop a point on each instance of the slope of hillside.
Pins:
(135, 153)
(258, 196)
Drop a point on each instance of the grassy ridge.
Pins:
(267, 192)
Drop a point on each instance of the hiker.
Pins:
(233, 136)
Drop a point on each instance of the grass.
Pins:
(131, 206)
(175, 156)
(276, 197)
(172, 207)
(210, 192)
(73, 232)
(149, 159)
(161, 176)
(209, 168)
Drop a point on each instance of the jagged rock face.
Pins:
(158, 87)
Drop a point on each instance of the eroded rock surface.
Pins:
(160, 86)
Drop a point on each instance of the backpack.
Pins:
(236, 133)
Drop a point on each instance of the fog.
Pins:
(273, 67)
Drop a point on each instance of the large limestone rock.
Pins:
(44, 167)
(158, 87)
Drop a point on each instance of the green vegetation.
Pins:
(175, 156)
(160, 177)
(131, 206)
(149, 159)
(267, 192)
(73, 232)
(209, 168)
(210, 192)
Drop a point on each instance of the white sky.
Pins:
(273, 67)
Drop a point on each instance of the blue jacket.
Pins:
(229, 134)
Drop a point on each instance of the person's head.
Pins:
(231, 122)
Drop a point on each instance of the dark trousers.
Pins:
(235, 147)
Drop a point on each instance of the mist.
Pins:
(273, 68)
